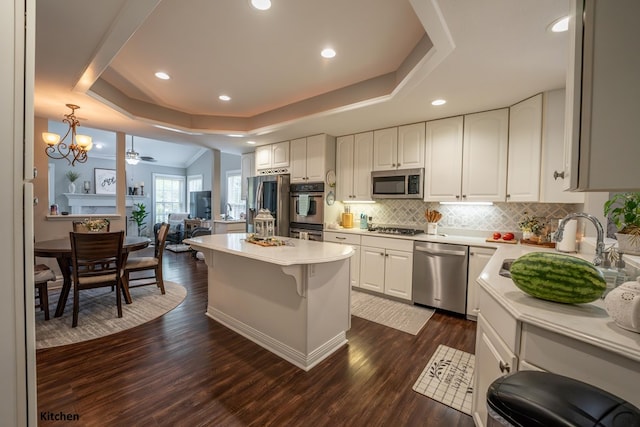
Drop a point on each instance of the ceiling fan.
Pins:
(133, 157)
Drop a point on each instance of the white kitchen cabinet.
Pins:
(525, 141)
(484, 162)
(354, 262)
(386, 266)
(494, 359)
(399, 147)
(354, 160)
(478, 259)
(272, 158)
(247, 170)
(551, 177)
(312, 158)
(443, 160)
(224, 227)
(603, 97)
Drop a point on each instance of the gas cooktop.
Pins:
(397, 230)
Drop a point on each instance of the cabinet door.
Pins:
(397, 273)
(354, 262)
(362, 164)
(411, 146)
(525, 141)
(344, 167)
(317, 158)
(299, 160)
(247, 169)
(280, 155)
(484, 163)
(385, 149)
(478, 259)
(552, 179)
(493, 360)
(443, 160)
(372, 268)
(263, 157)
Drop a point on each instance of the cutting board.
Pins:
(512, 242)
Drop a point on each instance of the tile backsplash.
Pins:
(497, 217)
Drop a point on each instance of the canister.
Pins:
(347, 220)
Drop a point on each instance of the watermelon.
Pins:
(558, 277)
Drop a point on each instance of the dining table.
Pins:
(60, 249)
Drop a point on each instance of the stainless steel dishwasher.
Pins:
(440, 275)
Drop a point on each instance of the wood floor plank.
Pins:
(184, 369)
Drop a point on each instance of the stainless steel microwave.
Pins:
(397, 184)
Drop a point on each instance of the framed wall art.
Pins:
(105, 180)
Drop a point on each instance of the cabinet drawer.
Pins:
(504, 324)
(388, 243)
(593, 365)
(347, 238)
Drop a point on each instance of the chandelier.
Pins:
(131, 156)
(75, 149)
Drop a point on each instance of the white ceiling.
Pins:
(393, 58)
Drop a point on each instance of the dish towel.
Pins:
(303, 204)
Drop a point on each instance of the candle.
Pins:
(87, 185)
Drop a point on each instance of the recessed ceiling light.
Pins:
(224, 98)
(438, 102)
(235, 135)
(328, 53)
(251, 142)
(261, 4)
(560, 25)
(162, 75)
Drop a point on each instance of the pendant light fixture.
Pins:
(73, 150)
(131, 156)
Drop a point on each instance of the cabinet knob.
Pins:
(398, 165)
(464, 196)
(508, 196)
(381, 254)
(393, 165)
(557, 175)
(457, 196)
(504, 367)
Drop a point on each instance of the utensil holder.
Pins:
(432, 228)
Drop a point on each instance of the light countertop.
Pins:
(295, 251)
(589, 322)
(229, 221)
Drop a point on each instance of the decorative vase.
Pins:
(628, 244)
(72, 187)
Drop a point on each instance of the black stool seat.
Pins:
(532, 398)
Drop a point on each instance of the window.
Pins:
(234, 180)
(168, 195)
(194, 183)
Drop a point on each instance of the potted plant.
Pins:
(72, 176)
(530, 226)
(139, 214)
(624, 210)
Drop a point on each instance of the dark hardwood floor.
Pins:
(184, 369)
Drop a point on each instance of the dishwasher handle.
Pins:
(440, 251)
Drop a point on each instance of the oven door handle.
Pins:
(440, 251)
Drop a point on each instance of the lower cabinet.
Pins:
(354, 261)
(478, 259)
(386, 266)
(229, 227)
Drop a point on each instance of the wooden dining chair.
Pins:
(136, 264)
(96, 260)
(42, 276)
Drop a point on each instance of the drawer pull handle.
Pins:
(341, 238)
(504, 367)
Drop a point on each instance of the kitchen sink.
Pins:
(505, 268)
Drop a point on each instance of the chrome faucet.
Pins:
(227, 214)
(600, 233)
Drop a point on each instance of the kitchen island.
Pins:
(293, 300)
(518, 332)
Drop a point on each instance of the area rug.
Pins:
(178, 248)
(98, 314)
(404, 317)
(448, 378)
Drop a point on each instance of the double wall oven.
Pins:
(306, 210)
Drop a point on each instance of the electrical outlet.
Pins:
(450, 221)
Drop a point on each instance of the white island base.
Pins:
(292, 300)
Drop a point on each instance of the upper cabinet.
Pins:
(312, 158)
(399, 147)
(354, 161)
(525, 140)
(484, 163)
(603, 97)
(551, 180)
(466, 158)
(272, 158)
